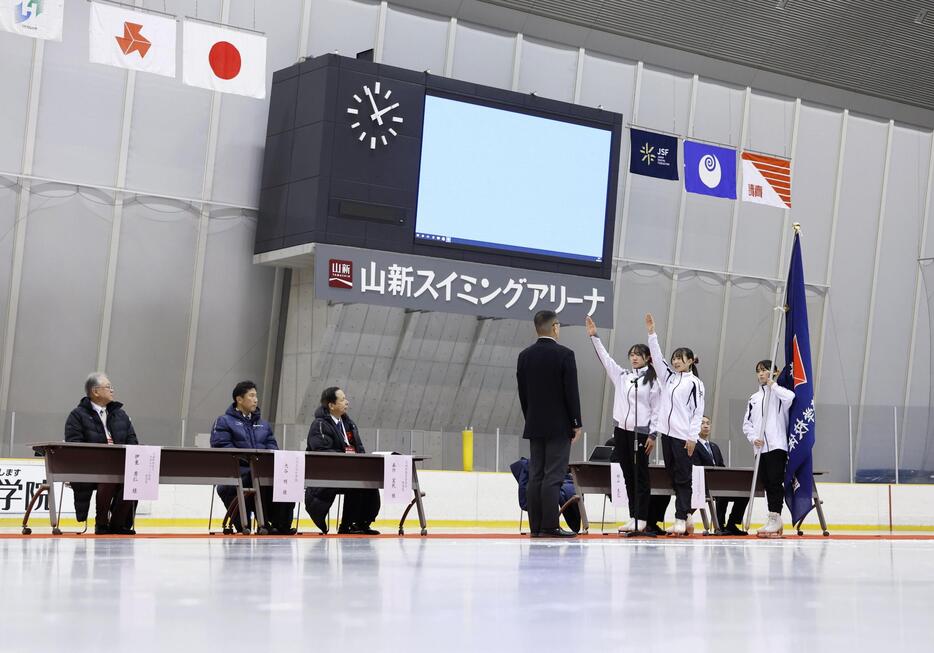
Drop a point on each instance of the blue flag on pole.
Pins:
(709, 170)
(653, 155)
(799, 474)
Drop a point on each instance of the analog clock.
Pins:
(374, 116)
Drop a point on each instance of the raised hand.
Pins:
(591, 327)
(649, 323)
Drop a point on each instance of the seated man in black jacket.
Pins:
(333, 430)
(98, 419)
(708, 454)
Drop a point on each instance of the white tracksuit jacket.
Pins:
(624, 397)
(681, 404)
(775, 416)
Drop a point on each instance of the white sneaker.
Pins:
(632, 525)
(689, 525)
(679, 528)
(772, 527)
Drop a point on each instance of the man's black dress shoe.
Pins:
(321, 523)
(349, 529)
(654, 529)
(364, 529)
(733, 529)
(556, 532)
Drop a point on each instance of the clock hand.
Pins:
(377, 116)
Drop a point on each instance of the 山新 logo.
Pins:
(340, 273)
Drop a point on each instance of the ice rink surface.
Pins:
(465, 594)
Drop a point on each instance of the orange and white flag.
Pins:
(132, 39)
(223, 59)
(766, 180)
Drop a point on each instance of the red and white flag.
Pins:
(766, 180)
(132, 39)
(226, 60)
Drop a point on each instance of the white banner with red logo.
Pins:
(132, 39)
(766, 180)
(225, 60)
(38, 19)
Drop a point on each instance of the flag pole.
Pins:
(755, 470)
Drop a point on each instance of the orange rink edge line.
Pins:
(460, 536)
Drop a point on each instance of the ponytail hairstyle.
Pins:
(685, 353)
(643, 350)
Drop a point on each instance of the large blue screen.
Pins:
(510, 181)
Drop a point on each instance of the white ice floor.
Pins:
(330, 594)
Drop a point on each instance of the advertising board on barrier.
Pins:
(19, 479)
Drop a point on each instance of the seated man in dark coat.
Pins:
(98, 419)
(707, 454)
(333, 430)
(572, 514)
(241, 427)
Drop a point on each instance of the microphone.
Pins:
(639, 375)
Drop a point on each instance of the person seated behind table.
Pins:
(98, 419)
(572, 515)
(707, 454)
(241, 427)
(333, 430)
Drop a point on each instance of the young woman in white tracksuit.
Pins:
(765, 425)
(635, 401)
(678, 419)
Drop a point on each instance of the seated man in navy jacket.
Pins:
(98, 419)
(242, 427)
(333, 430)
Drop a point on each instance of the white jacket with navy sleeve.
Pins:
(681, 404)
(625, 395)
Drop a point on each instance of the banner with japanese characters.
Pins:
(397, 479)
(19, 480)
(362, 276)
(141, 472)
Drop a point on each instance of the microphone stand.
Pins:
(635, 470)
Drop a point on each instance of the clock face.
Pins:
(374, 116)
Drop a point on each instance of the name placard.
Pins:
(141, 473)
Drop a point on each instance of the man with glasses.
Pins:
(98, 419)
(546, 375)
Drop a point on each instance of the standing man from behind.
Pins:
(98, 419)
(546, 375)
(241, 427)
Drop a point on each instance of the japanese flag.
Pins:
(221, 59)
(132, 39)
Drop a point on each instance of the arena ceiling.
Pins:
(884, 49)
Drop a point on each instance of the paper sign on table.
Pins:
(618, 496)
(397, 479)
(288, 476)
(698, 488)
(141, 473)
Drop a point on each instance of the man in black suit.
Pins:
(546, 375)
(707, 454)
